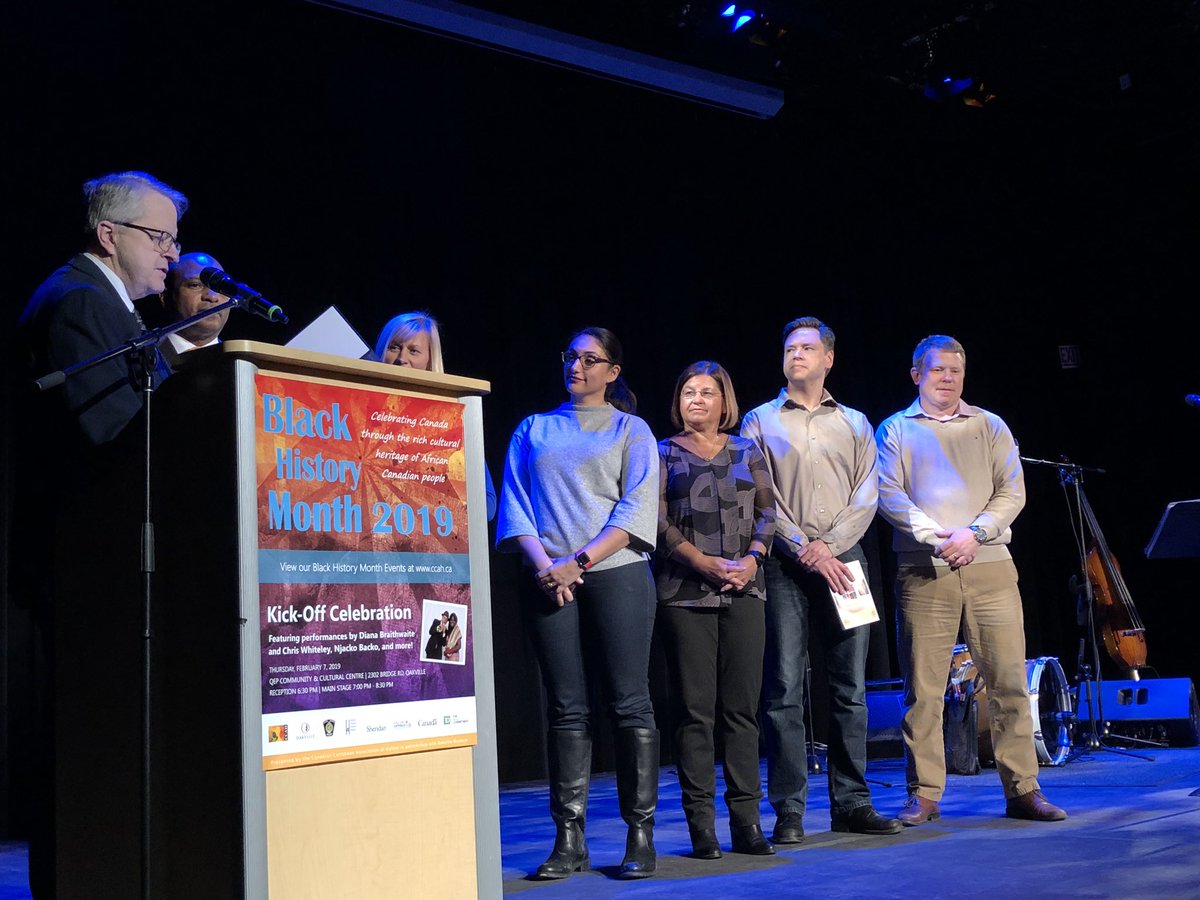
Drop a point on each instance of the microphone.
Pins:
(248, 298)
(1192, 400)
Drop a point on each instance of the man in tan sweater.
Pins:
(950, 484)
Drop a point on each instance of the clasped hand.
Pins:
(958, 549)
(816, 557)
(729, 574)
(559, 578)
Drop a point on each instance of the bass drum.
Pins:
(1049, 702)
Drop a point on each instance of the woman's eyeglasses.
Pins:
(588, 359)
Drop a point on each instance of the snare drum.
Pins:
(1049, 702)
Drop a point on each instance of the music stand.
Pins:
(1177, 537)
(1178, 533)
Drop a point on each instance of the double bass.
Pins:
(1117, 617)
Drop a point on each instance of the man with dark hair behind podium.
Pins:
(186, 296)
(75, 535)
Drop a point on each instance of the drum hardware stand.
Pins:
(812, 746)
(1088, 673)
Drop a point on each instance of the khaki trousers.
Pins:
(932, 601)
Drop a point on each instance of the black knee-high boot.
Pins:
(637, 794)
(570, 759)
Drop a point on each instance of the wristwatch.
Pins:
(758, 556)
(585, 561)
(980, 534)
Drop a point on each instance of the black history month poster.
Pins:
(364, 577)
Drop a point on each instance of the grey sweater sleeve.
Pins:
(637, 510)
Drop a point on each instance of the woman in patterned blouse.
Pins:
(716, 519)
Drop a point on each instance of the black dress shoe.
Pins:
(705, 844)
(789, 829)
(750, 839)
(865, 820)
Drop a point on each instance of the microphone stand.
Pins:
(143, 348)
(1071, 478)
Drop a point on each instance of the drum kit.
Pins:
(1050, 701)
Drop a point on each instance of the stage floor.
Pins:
(1133, 832)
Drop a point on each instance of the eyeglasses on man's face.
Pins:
(163, 240)
(587, 359)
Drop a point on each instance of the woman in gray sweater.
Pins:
(580, 502)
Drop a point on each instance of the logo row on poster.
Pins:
(362, 726)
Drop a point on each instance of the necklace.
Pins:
(697, 446)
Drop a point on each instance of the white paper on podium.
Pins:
(857, 606)
(331, 333)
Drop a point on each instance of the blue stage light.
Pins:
(729, 11)
(741, 20)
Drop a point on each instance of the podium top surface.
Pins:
(310, 362)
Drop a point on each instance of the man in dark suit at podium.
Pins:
(75, 544)
(86, 307)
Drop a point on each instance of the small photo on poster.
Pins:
(445, 629)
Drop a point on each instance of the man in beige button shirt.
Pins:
(821, 456)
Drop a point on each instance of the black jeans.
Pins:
(716, 659)
(613, 616)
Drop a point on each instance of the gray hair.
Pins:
(118, 197)
(941, 342)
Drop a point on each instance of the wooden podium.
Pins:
(316, 796)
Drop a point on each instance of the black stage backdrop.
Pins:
(332, 159)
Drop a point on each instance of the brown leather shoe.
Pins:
(918, 811)
(1034, 806)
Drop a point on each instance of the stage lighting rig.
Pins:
(943, 60)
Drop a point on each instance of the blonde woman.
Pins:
(412, 339)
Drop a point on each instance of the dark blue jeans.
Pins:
(613, 617)
(799, 605)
